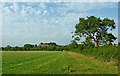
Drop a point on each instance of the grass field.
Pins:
(53, 62)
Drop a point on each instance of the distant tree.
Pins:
(118, 43)
(20, 48)
(50, 48)
(41, 43)
(73, 44)
(53, 44)
(28, 46)
(8, 47)
(16, 48)
(35, 45)
(95, 29)
(3, 48)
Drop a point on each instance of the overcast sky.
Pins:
(35, 22)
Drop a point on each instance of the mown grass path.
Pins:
(53, 62)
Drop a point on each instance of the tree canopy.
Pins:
(95, 29)
(73, 44)
(28, 46)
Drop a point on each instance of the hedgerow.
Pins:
(107, 52)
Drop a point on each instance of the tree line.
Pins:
(29, 47)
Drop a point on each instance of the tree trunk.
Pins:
(96, 43)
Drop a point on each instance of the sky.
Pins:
(36, 22)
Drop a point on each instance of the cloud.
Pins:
(45, 11)
(42, 5)
(6, 9)
(23, 11)
(45, 21)
(34, 22)
(59, 1)
(15, 7)
(62, 9)
(88, 6)
(38, 12)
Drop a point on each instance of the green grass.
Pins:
(53, 62)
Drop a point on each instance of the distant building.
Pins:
(47, 44)
(101, 45)
(112, 45)
(42, 45)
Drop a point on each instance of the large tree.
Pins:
(95, 30)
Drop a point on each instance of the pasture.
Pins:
(53, 62)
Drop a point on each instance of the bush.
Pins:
(107, 52)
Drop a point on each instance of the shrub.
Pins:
(107, 52)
